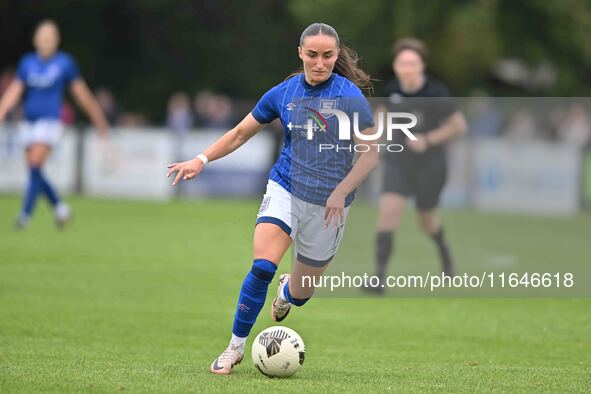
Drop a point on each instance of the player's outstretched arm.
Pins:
(11, 97)
(86, 100)
(367, 161)
(225, 145)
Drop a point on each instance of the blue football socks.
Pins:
(292, 300)
(252, 296)
(32, 192)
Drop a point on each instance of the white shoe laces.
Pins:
(281, 305)
(230, 355)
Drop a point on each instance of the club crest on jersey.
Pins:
(326, 106)
(290, 106)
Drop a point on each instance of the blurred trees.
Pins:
(467, 38)
(146, 49)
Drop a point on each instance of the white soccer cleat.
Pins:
(63, 214)
(227, 360)
(279, 308)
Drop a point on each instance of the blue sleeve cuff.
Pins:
(259, 117)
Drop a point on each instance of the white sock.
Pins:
(23, 219)
(62, 210)
(282, 293)
(238, 342)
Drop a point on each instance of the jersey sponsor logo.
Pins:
(44, 79)
(315, 122)
(319, 121)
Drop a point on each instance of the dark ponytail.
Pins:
(346, 64)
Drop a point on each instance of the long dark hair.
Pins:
(346, 64)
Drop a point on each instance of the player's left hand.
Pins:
(335, 208)
(418, 146)
(186, 170)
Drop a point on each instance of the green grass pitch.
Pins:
(139, 296)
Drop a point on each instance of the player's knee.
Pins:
(270, 242)
(428, 223)
(425, 227)
(35, 161)
(389, 218)
(36, 155)
(263, 269)
(263, 251)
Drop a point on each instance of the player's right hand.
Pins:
(335, 208)
(186, 170)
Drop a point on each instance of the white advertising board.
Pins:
(60, 168)
(530, 177)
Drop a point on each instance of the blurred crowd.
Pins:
(208, 110)
(560, 120)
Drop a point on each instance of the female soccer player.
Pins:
(420, 170)
(309, 191)
(43, 76)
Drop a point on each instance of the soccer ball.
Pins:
(278, 352)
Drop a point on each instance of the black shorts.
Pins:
(422, 179)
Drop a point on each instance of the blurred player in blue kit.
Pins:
(309, 192)
(42, 76)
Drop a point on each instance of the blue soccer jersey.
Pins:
(303, 169)
(45, 81)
